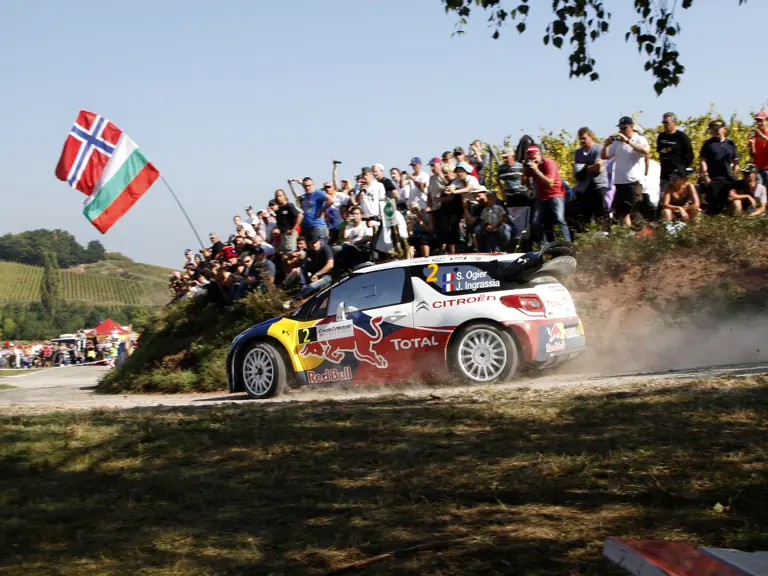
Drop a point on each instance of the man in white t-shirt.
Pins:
(465, 183)
(370, 195)
(419, 181)
(248, 228)
(629, 151)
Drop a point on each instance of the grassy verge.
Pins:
(7, 387)
(530, 482)
(184, 348)
(5, 373)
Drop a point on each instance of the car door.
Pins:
(367, 331)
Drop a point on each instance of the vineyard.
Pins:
(21, 283)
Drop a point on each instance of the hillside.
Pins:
(117, 280)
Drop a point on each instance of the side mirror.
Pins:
(341, 315)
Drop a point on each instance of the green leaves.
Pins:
(583, 22)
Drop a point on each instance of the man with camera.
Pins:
(370, 195)
(630, 151)
(591, 178)
(549, 203)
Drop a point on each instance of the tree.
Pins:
(94, 252)
(582, 22)
(50, 292)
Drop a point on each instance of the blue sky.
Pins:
(230, 98)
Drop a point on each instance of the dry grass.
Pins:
(531, 481)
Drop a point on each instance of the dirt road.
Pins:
(73, 389)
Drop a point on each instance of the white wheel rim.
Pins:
(258, 372)
(482, 355)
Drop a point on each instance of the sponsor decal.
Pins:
(463, 301)
(329, 375)
(361, 343)
(422, 306)
(555, 346)
(323, 332)
(556, 332)
(449, 282)
(407, 344)
(460, 279)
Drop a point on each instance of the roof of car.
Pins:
(447, 259)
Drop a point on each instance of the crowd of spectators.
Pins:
(47, 354)
(448, 205)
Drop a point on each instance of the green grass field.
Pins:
(490, 481)
(117, 280)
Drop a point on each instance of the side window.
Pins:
(370, 290)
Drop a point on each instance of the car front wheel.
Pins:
(484, 353)
(263, 371)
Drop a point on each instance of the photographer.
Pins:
(630, 153)
(510, 177)
(371, 194)
(549, 203)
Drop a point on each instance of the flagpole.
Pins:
(182, 210)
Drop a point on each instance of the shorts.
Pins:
(627, 199)
(419, 240)
(288, 243)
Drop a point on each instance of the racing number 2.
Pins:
(307, 335)
(432, 276)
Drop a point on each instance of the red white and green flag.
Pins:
(102, 162)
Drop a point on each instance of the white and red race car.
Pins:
(476, 316)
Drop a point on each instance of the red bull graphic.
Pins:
(329, 375)
(360, 343)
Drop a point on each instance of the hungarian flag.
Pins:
(103, 163)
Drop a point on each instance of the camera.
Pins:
(337, 161)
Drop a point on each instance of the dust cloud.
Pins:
(704, 342)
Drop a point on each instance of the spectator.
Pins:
(313, 203)
(371, 194)
(315, 267)
(357, 237)
(680, 198)
(216, 246)
(748, 195)
(629, 151)
(187, 256)
(478, 158)
(719, 161)
(268, 249)
(492, 228)
(251, 218)
(549, 194)
(460, 156)
(389, 186)
(437, 183)
(448, 160)
(466, 184)
(451, 211)
(420, 231)
(248, 228)
(674, 148)
(758, 146)
(419, 184)
(288, 222)
(591, 178)
(293, 262)
(510, 176)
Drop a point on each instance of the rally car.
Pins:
(479, 317)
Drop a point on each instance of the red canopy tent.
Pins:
(108, 326)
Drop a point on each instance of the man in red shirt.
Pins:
(549, 203)
(758, 146)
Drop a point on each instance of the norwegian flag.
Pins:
(88, 148)
(448, 282)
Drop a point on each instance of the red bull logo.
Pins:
(556, 332)
(360, 343)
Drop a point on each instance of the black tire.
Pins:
(256, 364)
(471, 368)
(559, 248)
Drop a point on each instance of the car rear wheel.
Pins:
(263, 371)
(484, 353)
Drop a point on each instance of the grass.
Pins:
(14, 372)
(518, 482)
(7, 386)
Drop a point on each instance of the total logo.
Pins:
(463, 301)
(407, 344)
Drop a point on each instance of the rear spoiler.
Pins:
(557, 259)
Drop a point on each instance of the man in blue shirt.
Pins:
(591, 178)
(313, 203)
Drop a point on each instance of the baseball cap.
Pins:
(458, 150)
(272, 202)
(257, 250)
(434, 161)
(248, 208)
(464, 166)
(762, 115)
(508, 152)
(716, 124)
(327, 185)
(532, 149)
(415, 160)
(750, 169)
(626, 121)
(365, 170)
